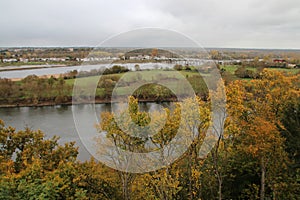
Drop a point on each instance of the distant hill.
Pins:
(151, 52)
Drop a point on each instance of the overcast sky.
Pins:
(212, 23)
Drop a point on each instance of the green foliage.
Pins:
(33, 90)
(116, 69)
(33, 167)
(242, 72)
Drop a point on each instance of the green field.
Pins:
(147, 75)
(233, 68)
(130, 79)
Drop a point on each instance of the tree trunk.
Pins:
(216, 166)
(125, 185)
(220, 190)
(262, 179)
(190, 175)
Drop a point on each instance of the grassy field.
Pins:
(130, 80)
(147, 75)
(232, 68)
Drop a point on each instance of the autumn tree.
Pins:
(33, 167)
(124, 140)
(256, 108)
(154, 53)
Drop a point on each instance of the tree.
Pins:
(215, 55)
(242, 72)
(28, 162)
(7, 88)
(123, 140)
(256, 108)
(178, 67)
(264, 143)
(33, 167)
(7, 54)
(163, 183)
(154, 53)
(137, 67)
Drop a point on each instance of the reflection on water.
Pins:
(58, 120)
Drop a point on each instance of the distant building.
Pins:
(279, 61)
(292, 66)
(10, 60)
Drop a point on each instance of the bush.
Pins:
(178, 67)
(242, 72)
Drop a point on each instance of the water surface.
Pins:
(58, 120)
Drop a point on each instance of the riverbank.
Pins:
(43, 76)
(70, 102)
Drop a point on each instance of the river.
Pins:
(60, 70)
(58, 120)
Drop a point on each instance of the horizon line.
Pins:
(86, 46)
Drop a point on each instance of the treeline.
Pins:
(36, 53)
(116, 69)
(243, 72)
(256, 156)
(34, 90)
(248, 56)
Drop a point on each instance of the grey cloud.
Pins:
(226, 23)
